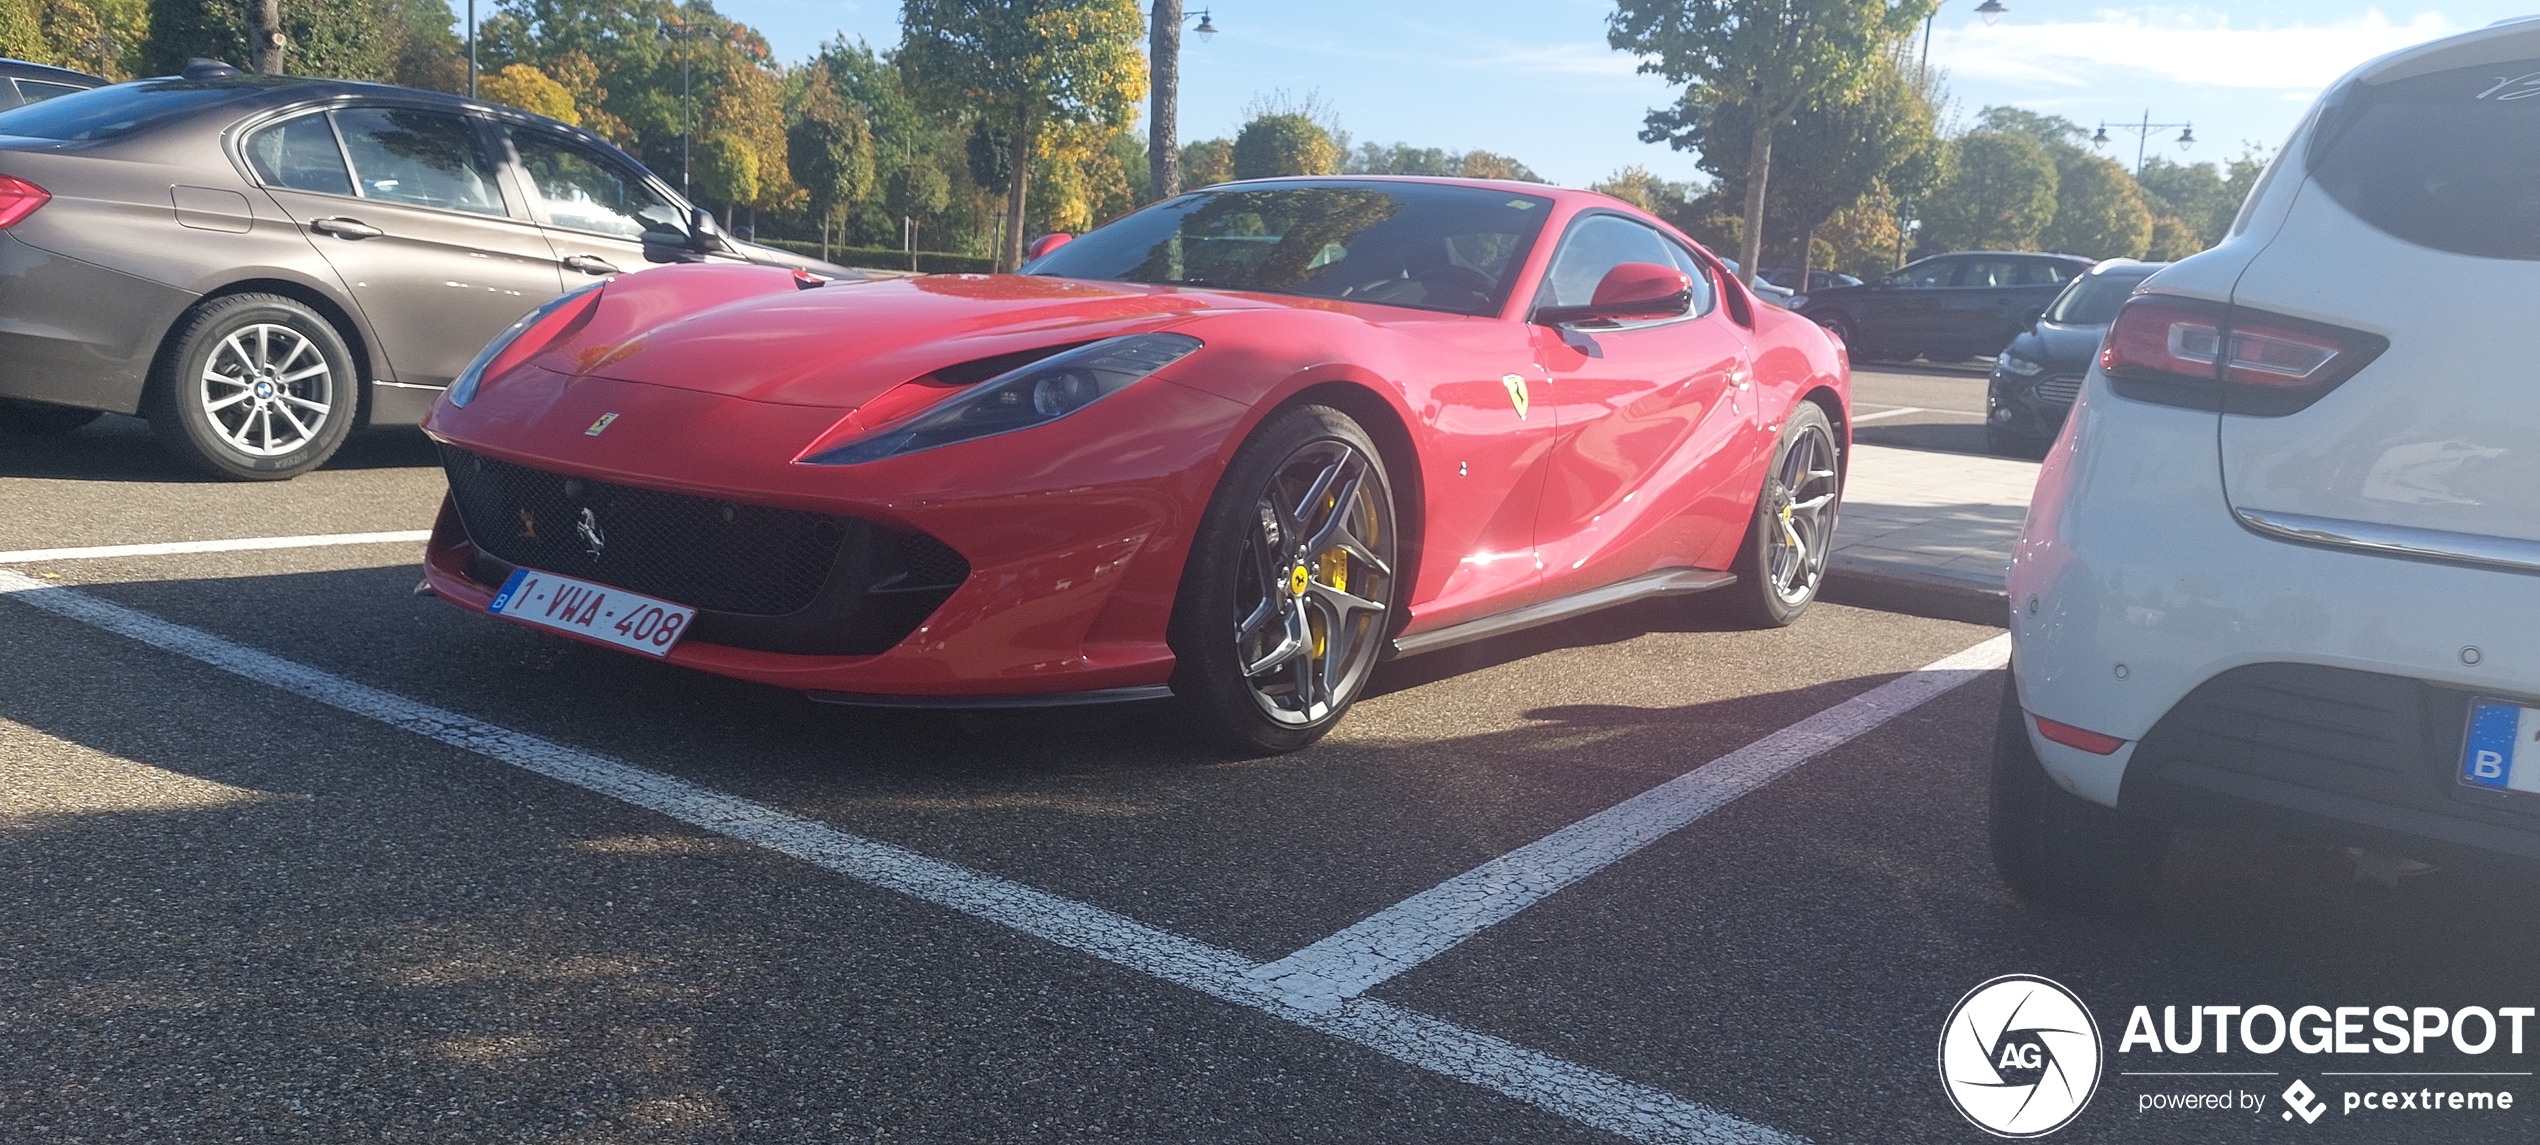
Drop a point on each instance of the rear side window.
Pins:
(299, 154)
(37, 91)
(2449, 160)
(1930, 275)
(424, 158)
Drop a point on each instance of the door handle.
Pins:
(344, 228)
(590, 264)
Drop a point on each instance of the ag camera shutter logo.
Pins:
(2020, 1056)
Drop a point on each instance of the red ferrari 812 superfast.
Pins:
(1233, 449)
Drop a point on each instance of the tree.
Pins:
(2099, 211)
(1865, 239)
(1635, 185)
(1284, 144)
(743, 125)
(1208, 163)
(531, 90)
(22, 31)
(830, 148)
(1480, 164)
(1776, 55)
(1030, 66)
(1998, 194)
(1827, 156)
(345, 39)
(2173, 238)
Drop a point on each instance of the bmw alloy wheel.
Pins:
(267, 389)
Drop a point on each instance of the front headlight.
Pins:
(1037, 394)
(2014, 364)
(573, 305)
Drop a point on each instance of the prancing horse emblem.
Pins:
(588, 528)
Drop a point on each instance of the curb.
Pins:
(1892, 587)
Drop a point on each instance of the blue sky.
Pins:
(1533, 79)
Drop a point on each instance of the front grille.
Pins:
(2059, 391)
(775, 580)
(715, 555)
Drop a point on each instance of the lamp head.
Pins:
(1206, 27)
(1991, 10)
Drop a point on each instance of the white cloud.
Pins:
(2182, 44)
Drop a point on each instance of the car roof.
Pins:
(263, 93)
(27, 70)
(2004, 254)
(1561, 195)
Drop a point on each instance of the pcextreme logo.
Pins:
(2020, 1056)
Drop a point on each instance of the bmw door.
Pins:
(409, 209)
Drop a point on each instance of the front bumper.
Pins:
(2029, 408)
(1065, 543)
(2312, 690)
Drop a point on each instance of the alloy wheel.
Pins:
(267, 390)
(1315, 580)
(1803, 505)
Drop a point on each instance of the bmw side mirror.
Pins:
(2030, 320)
(703, 236)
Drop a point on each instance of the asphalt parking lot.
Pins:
(287, 851)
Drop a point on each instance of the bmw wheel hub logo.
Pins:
(2020, 1056)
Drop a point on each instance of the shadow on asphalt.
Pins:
(115, 448)
(1971, 368)
(1936, 437)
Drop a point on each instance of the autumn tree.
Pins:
(830, 147)
(1777, 56)
(2099, 211)
(531, 90)
(1029, 66)
(1998, 194)
(1284, 144)
(1207, 163)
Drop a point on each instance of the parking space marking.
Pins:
(1585, 1095)
(1898, 411)
(1331, 972)
(240, 545)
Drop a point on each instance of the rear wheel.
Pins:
(1284, 605)
(38, 419)
(2056, 848)
(258, 388)
(1783, 561)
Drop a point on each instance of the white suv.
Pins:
(2283, 565)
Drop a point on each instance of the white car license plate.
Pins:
(609, 615)
(2501, 752)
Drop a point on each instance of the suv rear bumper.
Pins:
(2317, 691)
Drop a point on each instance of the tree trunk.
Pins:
(1164, 56)
(824, 236)
(1759, 168)
(267, 34)
(1011, 258)
(1807, 252)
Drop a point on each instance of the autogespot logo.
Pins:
(2019, 1056)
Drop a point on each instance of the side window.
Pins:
(580, 189)
(299, 154)
(1596, 245)
(1928, 275)
(2039, 272)
(1705, 294)
(37, 91)
(423, 158)
(1991, 272)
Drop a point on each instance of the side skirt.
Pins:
(1141, 694)
(1667, 582)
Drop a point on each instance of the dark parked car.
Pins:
(24, 83)
(257, 264)
(2037, 376)
(1947, 308)
(1787, 277)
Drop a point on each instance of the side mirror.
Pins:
(2029, 320)
(1045, 244)
(703, 236)
(1630, 290)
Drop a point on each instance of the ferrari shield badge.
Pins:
(600, 426)
(1516, 384)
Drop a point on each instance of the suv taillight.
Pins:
(18, 199)
(2183, 351)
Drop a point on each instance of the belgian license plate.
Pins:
(609, 615)
(2501, 752)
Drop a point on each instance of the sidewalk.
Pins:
(1929, 523)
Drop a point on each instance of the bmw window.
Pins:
(421, 158)
(300, 154)
(578, 189)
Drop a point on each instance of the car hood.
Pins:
(754, 333)
(2061, 349)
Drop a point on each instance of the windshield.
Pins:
(1425, 245)
(107, 112)
(2093, 301)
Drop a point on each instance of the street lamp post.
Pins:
(1164, 58)
(2143, 136)
(1991, 10)
(471, 49)
(683, 31)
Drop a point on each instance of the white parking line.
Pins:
(1329, 973)
(1589, 1096)
(242, 544)
(1901, 411)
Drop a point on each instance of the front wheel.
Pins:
(1285, 603)
(1783, 561)
(259, 388)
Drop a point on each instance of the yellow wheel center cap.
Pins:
(1298, 578)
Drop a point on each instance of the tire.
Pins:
(1783, 560)
(40, 419)
(1844, 330)
(1273, 639)
(257, 387)
(2056, 848)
